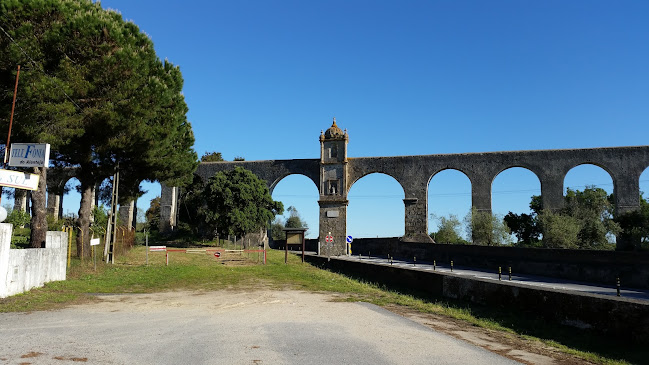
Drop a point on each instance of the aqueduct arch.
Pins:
(334, 174)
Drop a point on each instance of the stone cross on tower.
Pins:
(333, 190)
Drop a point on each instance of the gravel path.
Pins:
(224, 327)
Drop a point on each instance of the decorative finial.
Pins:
(334, 121)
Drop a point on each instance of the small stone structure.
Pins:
(335, 173)
(23, 269)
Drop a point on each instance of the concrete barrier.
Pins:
(620, 317)
(24, 269)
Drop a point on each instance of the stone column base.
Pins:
(417, 237)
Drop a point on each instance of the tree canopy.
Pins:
(586, 221)
(92, 86)
(293, 221)
(238, 202)
(449, 231)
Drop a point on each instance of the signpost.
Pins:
(19, 180)
(94, 242)
(349, 244)
(29, 155)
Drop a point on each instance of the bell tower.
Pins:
(333, 191)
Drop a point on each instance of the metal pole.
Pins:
(146, 240)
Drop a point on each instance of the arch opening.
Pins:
(449, 202)
(587, 175)
(586, 194)
(512, 192)
(298, 191)
(644, 184)
(71, 199)
(376, 207)
(152, 191)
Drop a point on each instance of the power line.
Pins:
(40, 69)
(497, 192)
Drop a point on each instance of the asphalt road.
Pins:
(256, 327)
(531, 280)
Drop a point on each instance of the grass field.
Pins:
(200, 271)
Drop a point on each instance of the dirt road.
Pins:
(225, 327)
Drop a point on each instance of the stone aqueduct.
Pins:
(334, 173)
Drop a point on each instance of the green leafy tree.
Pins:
(238, 202)
(294, 219)
(18, 218)
(559, 230)
(448, 231)
(524, 226)
(100, 221)
(589, 213)
(486, 229)
(277, 229)
(634, 228)
(212, 157)
(594, 211)
(93, 87)
(153, 214)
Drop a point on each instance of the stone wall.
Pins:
(593, 266)
(23, 269)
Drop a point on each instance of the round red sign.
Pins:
(217, 254)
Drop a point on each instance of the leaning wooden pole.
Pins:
(11, 122)
(11, 118)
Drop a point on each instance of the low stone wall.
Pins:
(593, 266)
(23, 269)
(612, 316)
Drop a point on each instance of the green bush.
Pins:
(18, 218)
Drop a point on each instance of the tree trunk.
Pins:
(39, 212)
(83, 223)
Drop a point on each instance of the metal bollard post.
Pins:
(510, 273)
(451, 266)
(500, 276)
(414, 261)
(618, 287)
(391, 260)
(434, 265)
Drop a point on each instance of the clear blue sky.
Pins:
(262, 78)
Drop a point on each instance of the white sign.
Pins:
(29, 155)
(332, 214)
(19, 180)
(94, 242)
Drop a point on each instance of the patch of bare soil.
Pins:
(505, 344)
